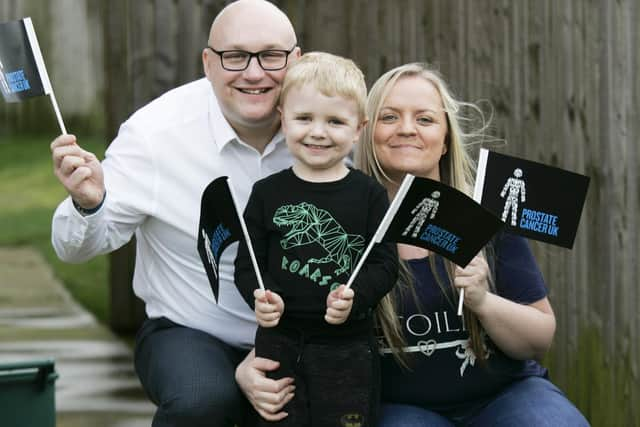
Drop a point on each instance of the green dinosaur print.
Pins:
(309, 224)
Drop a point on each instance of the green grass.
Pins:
(29, 193)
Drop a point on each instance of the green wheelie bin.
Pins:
(27, 394)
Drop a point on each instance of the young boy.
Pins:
(309, 225)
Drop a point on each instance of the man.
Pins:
(151, 183)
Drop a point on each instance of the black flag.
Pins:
(22, 71)
(440, 218)
(219, 227)
(534, 200)
(434, 216)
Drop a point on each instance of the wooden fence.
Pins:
(561, 76)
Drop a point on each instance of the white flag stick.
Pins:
(477, 196)
(384, 224)
(246, 237)
(42, 70)
(63, 129)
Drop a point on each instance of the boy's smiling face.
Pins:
(320, 132)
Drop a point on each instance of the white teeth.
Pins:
(253, 91)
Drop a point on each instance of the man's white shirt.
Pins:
(155, 172)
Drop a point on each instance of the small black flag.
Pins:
(219, 227)
(22, 71)
(534, 200)
(435, 216)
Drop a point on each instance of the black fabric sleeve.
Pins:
(380, 270)
(518, 277)
(244, 275)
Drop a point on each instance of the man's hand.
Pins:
(79, 171)
(269, 307)
(339, 304)
(267, 396)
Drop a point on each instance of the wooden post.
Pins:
(126, 310)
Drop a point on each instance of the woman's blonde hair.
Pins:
(457, 169)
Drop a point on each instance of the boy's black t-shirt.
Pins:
(308, 237)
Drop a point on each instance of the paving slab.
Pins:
(40, 320)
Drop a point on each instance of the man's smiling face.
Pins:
(248, 98)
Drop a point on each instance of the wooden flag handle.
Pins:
(384, 224)
(63, 129)
(42, 70)
(477, 196)
(254, 262)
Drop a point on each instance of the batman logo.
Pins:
(352, 420)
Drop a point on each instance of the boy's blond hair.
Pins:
(332, 75)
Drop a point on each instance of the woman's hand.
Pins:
(267, 396)
(474, 280)
(339, 304)
(269, 307)
(521, 331)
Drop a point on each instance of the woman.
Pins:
(438, 369)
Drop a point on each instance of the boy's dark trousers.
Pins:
(337, 379)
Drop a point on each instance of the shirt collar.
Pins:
(220, 128)
(277, 139)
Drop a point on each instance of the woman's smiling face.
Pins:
(411, 128)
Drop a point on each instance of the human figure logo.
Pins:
(514, 189)
(427, 208)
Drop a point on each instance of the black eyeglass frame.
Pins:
(252, 55)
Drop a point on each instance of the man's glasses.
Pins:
(238, 60)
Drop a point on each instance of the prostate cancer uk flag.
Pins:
(534, 200)
(22, 70)
(432, 215)
(440, 218)
(220, 226)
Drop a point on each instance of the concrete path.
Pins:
(39, 320)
